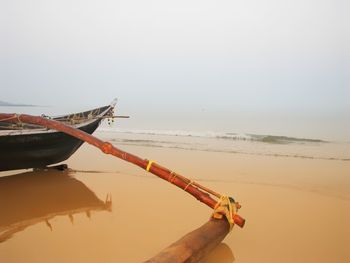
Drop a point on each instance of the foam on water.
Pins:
(220, 135)
(233, 143)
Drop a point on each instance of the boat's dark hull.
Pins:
(31, 146)
(39, 150)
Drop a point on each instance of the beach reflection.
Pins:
(221, 254)
(30, 198)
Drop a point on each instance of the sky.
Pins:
(180, 57)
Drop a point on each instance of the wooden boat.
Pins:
(30, 198)
(31, 146)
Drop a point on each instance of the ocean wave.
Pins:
(284, 139)
(205, 148)
(274, 139)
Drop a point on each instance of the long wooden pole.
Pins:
(195, 245)
(106, 147)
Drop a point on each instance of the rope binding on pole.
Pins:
(226, 207)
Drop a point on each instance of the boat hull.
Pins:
(34, 146)
(39, 150)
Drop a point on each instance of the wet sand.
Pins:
(297, 210)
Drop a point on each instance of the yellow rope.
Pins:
(172, 177)
(191, 182)
(19, 121)
(149, 165)
(225, 207)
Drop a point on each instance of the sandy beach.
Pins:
(297, 209)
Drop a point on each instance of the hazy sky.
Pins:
(218, 56)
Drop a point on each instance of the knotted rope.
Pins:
(227, 207)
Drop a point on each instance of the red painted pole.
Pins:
(106, 147)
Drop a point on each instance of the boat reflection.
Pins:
(33, 197)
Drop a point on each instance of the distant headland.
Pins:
(8, 104)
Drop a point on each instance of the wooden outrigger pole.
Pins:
(195, 245)
(224, 207)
